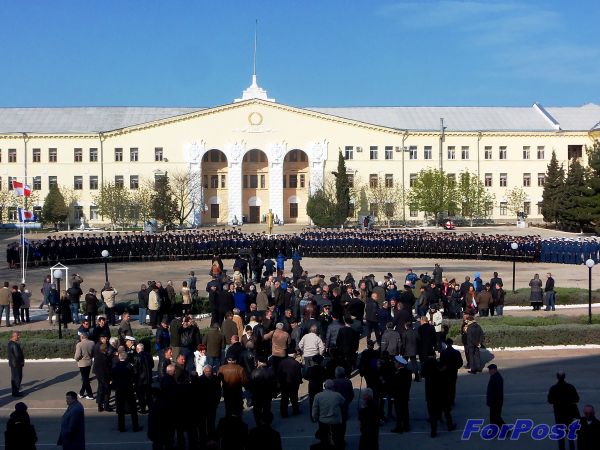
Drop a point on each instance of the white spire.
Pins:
(254, 90)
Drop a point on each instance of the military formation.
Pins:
(314, 242)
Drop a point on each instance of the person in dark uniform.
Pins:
(123, 384)
(564, 398)
(16, 361)
(495, 395)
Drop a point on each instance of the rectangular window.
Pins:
(373, 180)
(464, 152)
(37, 155)
(373, 152)
(488, 180)
(351, 180)
(503, 179)
(575, 151)
(245, 184)
(451, 153)
(303, 180)
(539, 208)
(52, 182)
(527, 207)
(93, 155)
(389, 209)
(526, 152)
(502, 152)
(118, 154)
(348, 152)
(413, 212)
(119, 181)
(526, 179)
(12, 155)
(293, 181)
(487, 153)
(389, 152)
(93, 213)
(412, 179)
(503, 208)
(373, 209)
(541, 179)
(452, 178)
(77, 182)
(134, 182)
(427, 152)
(52, 155)
(223, 181)
(294, 210)
(93, 182)
(133, 154)
(253, 181)
(37, 183)
(412, 152)
(389, 180)
(158, 153)
(10, 180)
(12, 214)
(541, 152)
(77, 155)
(263, 181)
(214, 211)
(214, 181)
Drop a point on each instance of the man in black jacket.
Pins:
(263, 386)
(450, 361)
(289, 376)
(143, 365)
(474, 340)
(427, 339)
(207, 389)
(589, 433)
(400, 391)
(371, 308)
(346, 344)
(122, 383)
(564, 398)
(16, 361)
(495, 395)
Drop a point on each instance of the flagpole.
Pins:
(23, 252)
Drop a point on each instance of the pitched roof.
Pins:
(414, 118)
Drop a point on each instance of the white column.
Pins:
(235, 153)
(317, 153)
(276, 189)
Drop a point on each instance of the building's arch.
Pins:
(255, 183)
(214, 173)
(296, 178)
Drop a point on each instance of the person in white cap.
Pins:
(400, 391)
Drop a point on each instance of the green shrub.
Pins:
(564, 296)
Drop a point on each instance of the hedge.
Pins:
(199, 305)
(564, 296)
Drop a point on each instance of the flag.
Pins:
(26, 216)
(21, 189)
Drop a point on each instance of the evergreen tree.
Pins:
(342, 191)
(55, 209)
(593, 183)
(554, 186)
(164, 205)
(322, 209)
(364, 203)
(573, 212)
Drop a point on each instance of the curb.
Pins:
(575, 306)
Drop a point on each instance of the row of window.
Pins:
(134, 182)
(388, 179)
(78, 155)
(451, 152)
(292, 181)
(488, 179)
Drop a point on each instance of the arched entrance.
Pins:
(214, 184)
(295, 186)
(255, 186)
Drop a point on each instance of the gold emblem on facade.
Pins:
(255, 118)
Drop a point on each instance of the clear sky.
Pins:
(310, 53)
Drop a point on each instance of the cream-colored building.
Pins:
(255, 154)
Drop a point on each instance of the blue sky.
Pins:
(310, 53)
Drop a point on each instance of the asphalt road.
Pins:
(527, 376)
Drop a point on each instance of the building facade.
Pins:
(256, 154)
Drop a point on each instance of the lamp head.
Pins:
(58, 274)
(590, 263)
(514, 246)
(105, 253)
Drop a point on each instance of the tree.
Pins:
(364, 203)
(475, 200)
(141, 201)
(433, 192)
(386, 198)
(554, 185)
(342, 190)
(187, 192)
(515, 199)
(164, 205)
(114, 202)
(55, 209)
(574, 214)
(593, 183)
(322, 208)
(72, 198)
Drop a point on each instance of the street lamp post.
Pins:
(514, 247)
(57, 276)
(105, 256)
(590, 264)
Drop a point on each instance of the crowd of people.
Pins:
(202, 244)
(270, 333)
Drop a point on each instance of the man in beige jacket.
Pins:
(108, 295)
(5, 299)
(84, 351)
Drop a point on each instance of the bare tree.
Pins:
(187, 192)
(141, 200)
(387, 197)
